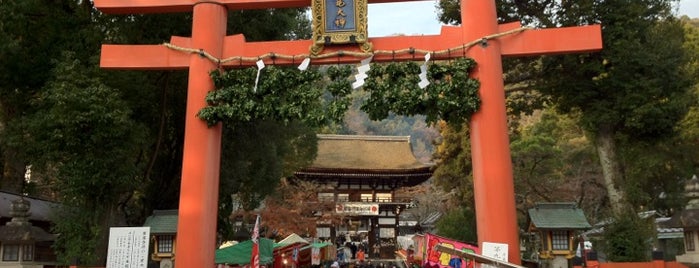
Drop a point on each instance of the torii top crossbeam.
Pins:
(492, 167)
(171, 6)
(524, 43)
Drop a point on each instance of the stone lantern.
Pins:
(23, 245)
(688, 220)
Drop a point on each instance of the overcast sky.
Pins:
(420, 17)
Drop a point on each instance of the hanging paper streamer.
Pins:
(361, 73)
(304, 64)
(423, 73)
(260, 66)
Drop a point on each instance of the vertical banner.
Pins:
(315, 256)
(255, 256)
(128, 247)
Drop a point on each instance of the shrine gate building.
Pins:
(361, 175)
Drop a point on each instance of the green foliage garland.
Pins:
(286, 94)
(282, 95)
(452, 94)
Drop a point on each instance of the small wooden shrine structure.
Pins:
(556, 225)
(163, 230)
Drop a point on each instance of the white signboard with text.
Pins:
(357, 208)
(495, 250)
(128, 247)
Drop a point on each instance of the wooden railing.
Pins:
(476, 257)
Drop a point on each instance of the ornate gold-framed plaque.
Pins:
(339, 22)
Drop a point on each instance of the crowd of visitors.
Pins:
(353, 255)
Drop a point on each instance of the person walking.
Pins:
(348, 252)
(361, 255)
(340, 255)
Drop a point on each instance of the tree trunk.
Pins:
(611, 169)
(111, 218)
(13, 169)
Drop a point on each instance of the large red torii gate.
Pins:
(492, 167)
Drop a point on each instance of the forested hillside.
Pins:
(422, 136)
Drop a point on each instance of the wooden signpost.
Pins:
(492, 167)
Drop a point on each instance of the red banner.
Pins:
(255, 256)
(432, 258)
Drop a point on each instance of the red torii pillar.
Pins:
(492, 167)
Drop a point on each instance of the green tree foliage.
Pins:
(538, 164)
(629, 96)
(31, 38)
(255, 160)
(634, 91)
(453, 172)
(108, 144)
(453, 175)
(537, 159)
(65, 124)
(627, 238)
(554, 161)
(82, 139)
(254, 155)
(628, 99)
(458, 223)
(35, 76)
(258, 156)
(277, 24)
(689, 128)
(357, 122)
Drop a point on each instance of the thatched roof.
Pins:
(358, 156)
(378, 153)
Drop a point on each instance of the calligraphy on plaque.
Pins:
(338, 22)
(128, 247)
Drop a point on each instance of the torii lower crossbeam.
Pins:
(492, 167)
